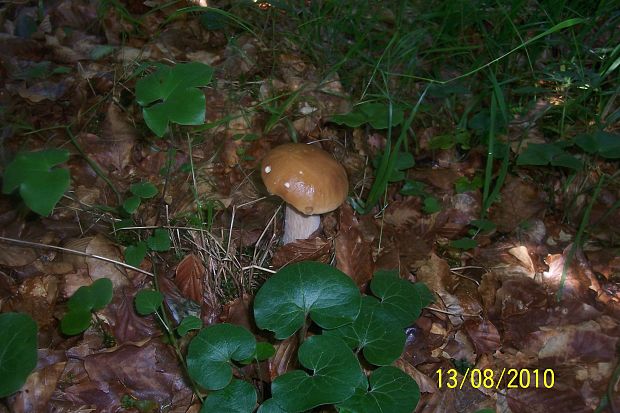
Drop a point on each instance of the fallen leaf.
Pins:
(353, 254)
(313, 249)
(189, 277)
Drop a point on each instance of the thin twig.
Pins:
(83, 254)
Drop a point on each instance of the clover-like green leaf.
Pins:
(375, 331)
(238, 397)
(390, 391)
(143, 189)
(148, 301)
(605, 144)
(75, 321)
(329, 296)
(189, 323)
(336, 373)
(210, 354)
(538, 154)
(375, 113)
(82, 299)
(159, 241)
(173, 96)
(464, 243)
(131, 204)
(431, 205)
(483, 225)
(402, 299)
(102, 291)
(18, 351)
(92, 297)
(264, 350)
(134, 254)
(378, 114)
(548, 154)
(40, 184)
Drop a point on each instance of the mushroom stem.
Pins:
(298, 225)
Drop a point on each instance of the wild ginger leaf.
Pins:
(327, 295)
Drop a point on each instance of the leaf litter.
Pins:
(497, 305)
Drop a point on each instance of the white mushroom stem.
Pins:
(298, 225)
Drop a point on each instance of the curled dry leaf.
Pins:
(239, 312)
(353, 254)
(313, 249)
(285, 358)
(190, 277)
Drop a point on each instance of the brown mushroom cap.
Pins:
(306, 177)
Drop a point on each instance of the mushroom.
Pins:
(309, 180)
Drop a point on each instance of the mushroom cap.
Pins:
(306, 177)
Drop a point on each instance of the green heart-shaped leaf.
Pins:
(134, 254)
(75, 321)
(189, 323)
(175, 91)
(336, 375)
(82, 299)
(390, 391)
(270, 406)
(378, 114)
(18, 351)
(102, 290)
(92, 297)
(210, 353)
(159, 241)
(464, 243)
(148, 301)
(131, 204)
(402, 299)
(238, 397)
(375, 331)
(143, 189)
(329, 296)
(40, 185)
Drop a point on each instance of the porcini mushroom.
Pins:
(309, 180)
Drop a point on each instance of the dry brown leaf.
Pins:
(483, 335)
(403, 214)
(159, 378)
(126, 323)
(189, 277)
(37, 297)
(103, 247)
(573, 344)
(16, 256)
(313, 249)
(285, 358)
(520, 201)
(111, 150)
(239, 312)
(353, 254)
(35, 394)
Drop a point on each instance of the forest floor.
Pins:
(503, 197)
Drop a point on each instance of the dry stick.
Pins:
(83, 254)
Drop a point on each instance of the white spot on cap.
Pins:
(267, 169)
(287, 185)
(301, 172)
